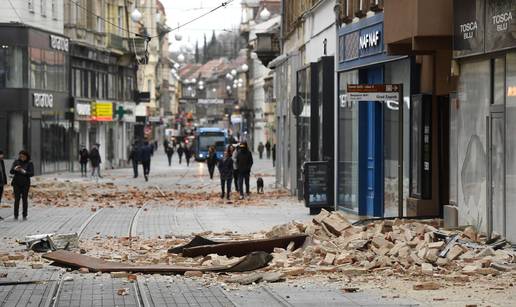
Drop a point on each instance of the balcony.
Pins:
(117, 42)
(267, 47)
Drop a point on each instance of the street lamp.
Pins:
(136, 16)
(233, 72)
(245, 68)
(181, 58)
(265, 14)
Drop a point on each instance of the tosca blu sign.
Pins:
(102, 111)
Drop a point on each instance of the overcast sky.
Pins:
(182, 11)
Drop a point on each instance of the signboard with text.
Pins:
(468, 28)
(102, 111)
(316, 184)
(373, 92)
(500, 25)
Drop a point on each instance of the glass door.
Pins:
(496, 183)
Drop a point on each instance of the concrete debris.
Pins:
(430, 285)
(122, 291)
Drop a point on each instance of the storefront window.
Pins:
(47, 70)
(303, 122)
(473, 108)
(347, 172)
(510, 154)
(13, 61)
(499, 81)
(397, 72)
(57, 143)
(16, 134)
(454, 109)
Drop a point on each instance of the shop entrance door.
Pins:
(496, 175)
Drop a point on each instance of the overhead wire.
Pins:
(223, 4)
(15, 11)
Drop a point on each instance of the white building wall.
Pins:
(320, 25)
(42, 14)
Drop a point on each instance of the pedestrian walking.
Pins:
(169, 150)
(260, 150)
(146, 152)
(22, 169)
(188, 154)
(180, 152)
(226, 173)
(274, 155)
(83, 160)
(134, 157)
(211, 160)
(3, 176)
(95, 160)
(245, 163)
(234, 153)
(268, 149)
(166, 142)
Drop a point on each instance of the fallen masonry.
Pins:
(331, 245)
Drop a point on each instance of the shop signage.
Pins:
(211, 101)
(154, 119)
(362, 44)
(468, 32)
(369, 40)
(83, 110)
(236, 119)
(102, 111)
(59, 43)
(43, 100)
(373, 92)
(126, 112)
(500, 25)
(316, 183)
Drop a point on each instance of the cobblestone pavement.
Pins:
(51, 286)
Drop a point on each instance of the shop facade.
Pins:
(368, 154)
(36, 112)
(482, 145)
(103, 86)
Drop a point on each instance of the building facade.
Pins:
(35, 109)
(482, 167)
(102, 77)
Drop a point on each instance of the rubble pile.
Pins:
(55, 193)
(393, 246)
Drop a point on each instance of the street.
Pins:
(118, 208)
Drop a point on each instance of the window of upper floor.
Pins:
(43, 7)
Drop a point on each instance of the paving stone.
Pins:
(30, 294)
(179, 291)
(84, 290)
(110, 222)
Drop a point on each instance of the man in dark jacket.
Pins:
(22, 170)
(226, 173)
(180, 152)
(3, 176)
(188, 154)
(212, 160)
(244, 163)
(268, 149)
(134, 157)
(146, 152)
(95, 160)
(83, 160)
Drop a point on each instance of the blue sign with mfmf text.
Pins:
(370, 40)
(362, 44)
